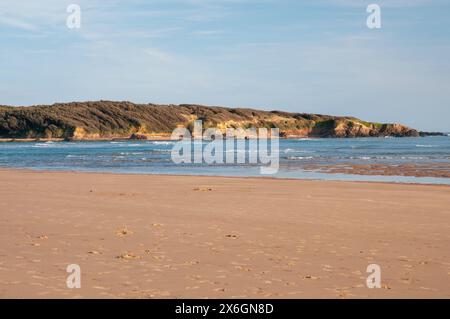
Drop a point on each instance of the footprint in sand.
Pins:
(242, 268)
(124, 231)
(127, 256)
(219, 290)
(191, 263)
(94, 252)
(406, 280)
(203, 189)
(192, 288)
(327, 268)
(311, 277)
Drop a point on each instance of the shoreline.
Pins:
(167, 137)
(416, 170)
(262, 177)
(159, 236)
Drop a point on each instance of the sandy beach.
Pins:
(143, 236)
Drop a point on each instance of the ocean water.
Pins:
(154, 157)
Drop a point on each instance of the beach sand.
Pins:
(141, 236)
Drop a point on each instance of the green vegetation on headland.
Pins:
(109, 120)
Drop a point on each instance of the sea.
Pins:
(296, 157)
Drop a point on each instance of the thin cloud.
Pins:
(18, 24)
(207, 32)
(159, 55)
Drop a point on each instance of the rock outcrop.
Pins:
(135, 136)
(108, 120)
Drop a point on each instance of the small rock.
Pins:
(138, 137)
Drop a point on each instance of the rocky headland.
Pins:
(120, 120)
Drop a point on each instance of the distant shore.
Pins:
(106, 139)
(150, 236)
(167, 137)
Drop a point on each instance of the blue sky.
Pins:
(302, 56)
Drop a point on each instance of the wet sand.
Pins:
(440, 170)
(141, 236)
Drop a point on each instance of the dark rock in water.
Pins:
(138, 137)
(423, 134)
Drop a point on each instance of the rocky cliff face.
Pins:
(357, 128)
(105, 119)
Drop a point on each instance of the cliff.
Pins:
(105, 119)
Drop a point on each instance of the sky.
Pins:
(314, 56)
